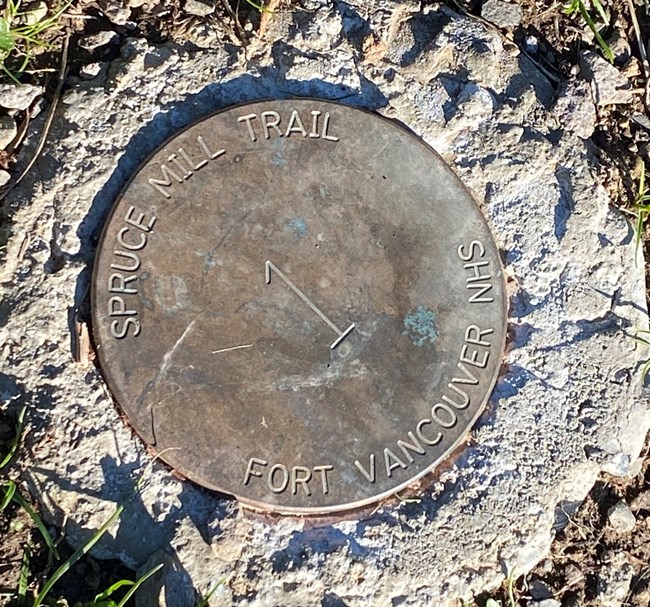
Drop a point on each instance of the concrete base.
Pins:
(569, 402)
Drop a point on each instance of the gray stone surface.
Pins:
(201, 8)
(539, 590)
(502, 14)
(91, 71)
(575, 110)
(8, 131)
(569, 402)
(545, 603)
(14, 97)
(98, 39)
(609, 85)
(116, 12)
(621, 518)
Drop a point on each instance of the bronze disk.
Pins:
(300, 304)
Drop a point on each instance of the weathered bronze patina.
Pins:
(301, 304)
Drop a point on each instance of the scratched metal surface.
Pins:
(299, 304)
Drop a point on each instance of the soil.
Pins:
(589, 550)
(589, 556)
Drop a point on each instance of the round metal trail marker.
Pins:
(301, 304)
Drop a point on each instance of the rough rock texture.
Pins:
(621, 518)
(569, 402)
(502, 14)
(575, 110)
(609, 86)
(199, 7)
(8, 131)
(20, 97)
(98, 39)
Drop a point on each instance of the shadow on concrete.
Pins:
(154, 537)
(154, 533)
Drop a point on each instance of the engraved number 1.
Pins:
(271, 267)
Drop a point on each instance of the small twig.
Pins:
(48, 120)
(24, 246)
(569, 584)
(267, 13)
(642, 52)
(241, 34)
(549, 11)
(20, 135)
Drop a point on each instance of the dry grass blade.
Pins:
(644, 56)
(267, 12)
(641, 207)
(241, 34)
(48, 121)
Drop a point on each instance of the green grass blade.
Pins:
(205, 601)
(23, 579)
(65, 567)
(6, 70)
(260, 7)
(572, 7)
(9, 493)
(14, 7)
(645, 369)
(596, 33)
(19, 499)
(638, 230)
(137, 585)
(510, 588)
(6, 38)
(111, 589)
(601, 11)
(24, 64)
(20, 425)
(640, 340)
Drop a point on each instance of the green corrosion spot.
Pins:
(420, 326)
(298, 226)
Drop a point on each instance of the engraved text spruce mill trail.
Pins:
(179, 167)
(182, 164)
